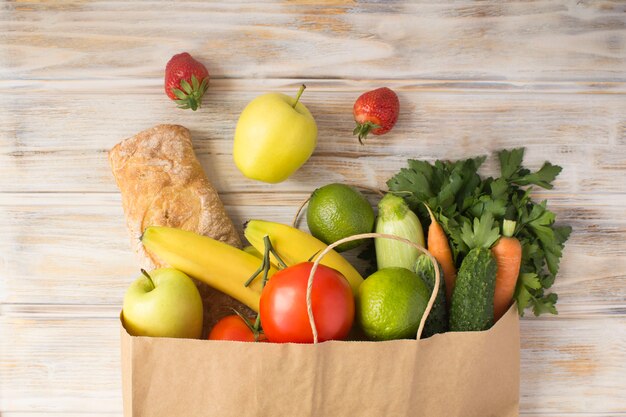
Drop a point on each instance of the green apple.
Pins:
(164, 303)
(275, 136)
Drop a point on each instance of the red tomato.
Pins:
(283, 305)
(232, 328)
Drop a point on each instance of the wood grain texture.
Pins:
(574, 128)
(117, 414)
(78, 76)
(549, 40)
(54, 230)
(71, 344)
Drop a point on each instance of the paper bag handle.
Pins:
(330, 247)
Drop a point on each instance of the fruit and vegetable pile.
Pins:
(493, 245)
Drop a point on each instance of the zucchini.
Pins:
(472, 299)
(396, 218)
(437, 321)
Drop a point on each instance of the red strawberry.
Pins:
(375, 111)
(186, 80)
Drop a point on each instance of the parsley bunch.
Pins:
(459, 197)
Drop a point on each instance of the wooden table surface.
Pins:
(78, 76)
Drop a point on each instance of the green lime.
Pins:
(390, 304)
(336, 211)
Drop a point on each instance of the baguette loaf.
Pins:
(163, 184)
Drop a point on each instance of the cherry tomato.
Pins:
(232, 328)
(283, 305)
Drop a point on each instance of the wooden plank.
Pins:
(587, 356)
(492, 40)
(66, 150)
(72, 365)
(73, 248)
(119, 414)
(154, 85)
(90, 261)
(78, 76)
(66, 414)
(568, 365)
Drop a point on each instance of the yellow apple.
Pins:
(275, 136)
(164, 303)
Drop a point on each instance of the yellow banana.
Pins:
(222, 266)
(295, 246)
(252, 251)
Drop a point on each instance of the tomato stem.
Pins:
(302, 87)
(266, 264)
(281, 263)
(254, 275)
(254, 329)
(257, 324)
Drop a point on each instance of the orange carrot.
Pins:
(439, 247)
(508, 254)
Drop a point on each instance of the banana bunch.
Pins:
(295, 246)
(227, 268)
(222, 266)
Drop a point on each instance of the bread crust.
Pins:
(163, 184)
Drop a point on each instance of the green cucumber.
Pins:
(437, 321)
(472, 298)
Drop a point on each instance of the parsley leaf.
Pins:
(525, 283)
(510, 162)
(482, 235)
(470, 208)
(545, 304)
(542, 178)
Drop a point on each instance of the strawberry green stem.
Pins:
(302, 87)
(189, 95)
(363, 129)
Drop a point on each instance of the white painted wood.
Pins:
(495, 40)
(77, 76)
(66, 150)
(73, 248)
(524, 414)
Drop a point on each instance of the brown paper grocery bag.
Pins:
(455, 374)
(470, 374)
